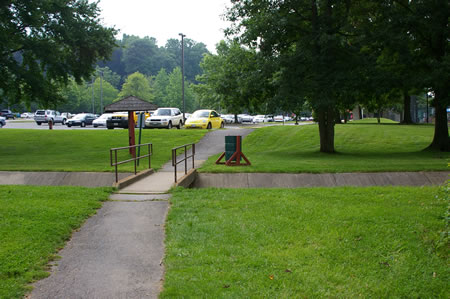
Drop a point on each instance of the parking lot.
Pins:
(31, 124)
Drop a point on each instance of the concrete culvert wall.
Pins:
(288, 180)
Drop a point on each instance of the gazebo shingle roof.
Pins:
(130, 103)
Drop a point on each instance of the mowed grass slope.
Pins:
(306, 243)
(360, 148)
(84, 150)
(36, 221)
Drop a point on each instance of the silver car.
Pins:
(45, 116)
(101, 121)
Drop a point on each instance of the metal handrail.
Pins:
(174, 158)
(135, 159)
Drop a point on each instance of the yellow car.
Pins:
(204, 119)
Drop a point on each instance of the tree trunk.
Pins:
(379, 116)
(406, 109)
(441, 139)
(337, 117)
(326, 129)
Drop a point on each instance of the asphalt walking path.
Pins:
(161, 181)
(118, 252)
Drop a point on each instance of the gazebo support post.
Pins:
(131, 137)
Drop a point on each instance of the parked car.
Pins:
(101, 121)
(260, 119)
(246, 118)
(205, 119)
(44, 116)
(81, 119)
(279, 118)
(67, 115)
(7, 114)
(2, 121)
(228, 118)
(165, 118)
(27, 115)
(117, 120)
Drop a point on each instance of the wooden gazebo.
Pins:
(130, 104)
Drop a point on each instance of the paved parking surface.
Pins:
(31, 124)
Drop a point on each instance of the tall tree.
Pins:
(44, 43)
(137, 85)
(314, 40)
(108, 75)
(159, 84)
(78, 97)
(174, 92)
(234, 75)
(86, 97)
(103, 91)
(424, 25)
(141, 56)
(193, 55)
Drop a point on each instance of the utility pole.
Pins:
(182, 74)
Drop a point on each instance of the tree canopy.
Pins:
(335, 53)
(313, 41)
(143, 55)
(45, 43)
(137, 85)
(417, 32)
(232, 78)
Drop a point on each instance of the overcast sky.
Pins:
(200, 20)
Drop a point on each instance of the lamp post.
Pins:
(427, 105)
(92, 87)
(101, 92)
(182, 73)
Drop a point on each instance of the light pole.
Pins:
(182, 73)
(427, 106)
(92, 87)
(101, 92)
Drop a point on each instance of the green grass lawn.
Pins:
(373, 121)
(360, 148)
(35, 222)
(83, 150)
(306, 243)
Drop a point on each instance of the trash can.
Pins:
(230, 146)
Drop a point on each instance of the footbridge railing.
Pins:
(135, 157)
(185, 159)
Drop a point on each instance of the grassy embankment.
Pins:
(36, 221)
(361, 147)
(84, 150)
(307, 243)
